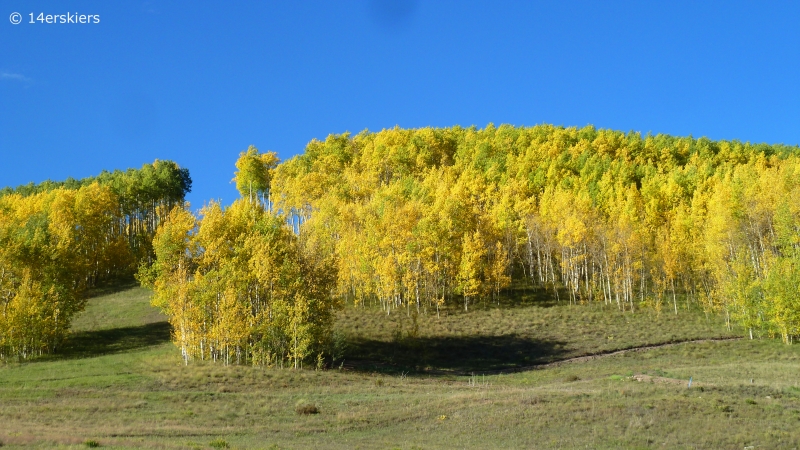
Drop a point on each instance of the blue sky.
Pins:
(197, 82)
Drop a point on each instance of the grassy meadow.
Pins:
(477, 379)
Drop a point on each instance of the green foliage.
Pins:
(428, 216)
(58, 239)
(53, 246)
(143, 197)
(240, 287)
(219, 443)
(254, 173)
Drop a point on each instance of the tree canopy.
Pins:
(57, 239)
(423, 216)
(237, 284)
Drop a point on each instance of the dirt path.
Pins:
(603, 355)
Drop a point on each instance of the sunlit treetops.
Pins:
(427, 216)
(413, 219)
(59, 239)
(143, 195)
(238, 285)
(54, 245)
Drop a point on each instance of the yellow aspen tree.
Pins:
(254, 174)
(471, 269)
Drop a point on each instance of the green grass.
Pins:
(118, 319)
(121, 384)
(120, 305)
(494, 337)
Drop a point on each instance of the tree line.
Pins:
(144, 195)
(413, 218)
(238, 285)
(423, 217)
(58, 239)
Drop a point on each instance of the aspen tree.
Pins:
(599, 214)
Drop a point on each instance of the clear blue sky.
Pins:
(197, 82)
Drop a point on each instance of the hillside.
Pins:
(455, 215)
(122, 384)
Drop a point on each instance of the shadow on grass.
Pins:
(112, 287)
(518, 296)
(85, 344)
(451, 355)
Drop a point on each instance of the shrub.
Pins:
(219, 443)
(306, 409)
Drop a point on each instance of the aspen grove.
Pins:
(238, 285)
(58, 239)
(418, 218)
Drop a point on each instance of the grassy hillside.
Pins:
(122, 384)
(526, 330)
